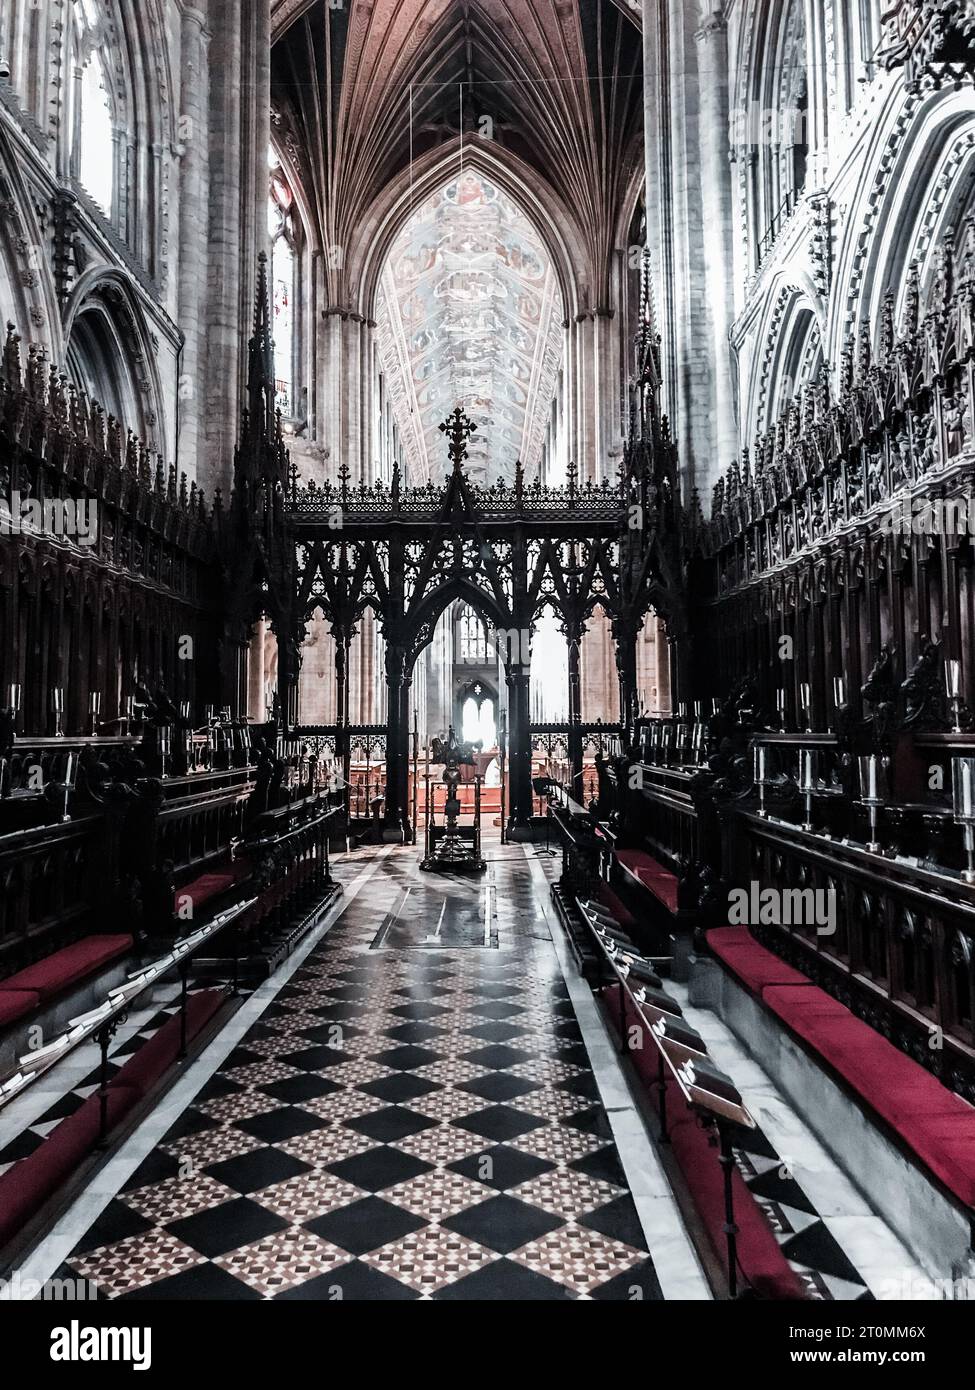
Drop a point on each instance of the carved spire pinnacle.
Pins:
(912, 300)
(648, 350)
(260, 376)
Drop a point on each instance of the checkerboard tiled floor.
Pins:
(406, 1120)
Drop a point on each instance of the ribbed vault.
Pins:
(363, 91)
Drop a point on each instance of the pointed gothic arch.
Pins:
(111, 355)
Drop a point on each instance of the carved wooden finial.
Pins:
(458, 428)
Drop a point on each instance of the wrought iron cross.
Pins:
(459, 429)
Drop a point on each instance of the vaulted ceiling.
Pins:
(366, 90)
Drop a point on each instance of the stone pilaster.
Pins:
(240, 132)
(193, 232)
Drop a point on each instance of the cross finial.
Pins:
(458, 429)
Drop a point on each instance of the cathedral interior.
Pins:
(487, 651)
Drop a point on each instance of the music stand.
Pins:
(542, 786)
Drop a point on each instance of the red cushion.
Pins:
(947, 1146)
(751, 963)
(784, 999)
(209, 885)
(765, 1267)
(933, 1122)
(145, 1068)
(203, 888)
(26, 1186)
(66, 967)
(14, 1003)
(614, 905)
(660, 881)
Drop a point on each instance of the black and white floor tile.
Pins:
(413, 1116)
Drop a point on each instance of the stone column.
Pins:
(679, 231)
(396, 811)
(718, 211)
(256, 703)
(240, 132)
(593, 365)
(624, 633)
(574, 639)
(519, 751)
(193, 233)
(347, 368)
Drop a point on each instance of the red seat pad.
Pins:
(204, 888)
(14, 1003)
(751, 963)
(765, 1267)
(66, 967)
(26, 1186)
(660, 881)
(933, 1122)
(615, 906)
(200, 890)
(145, 1068)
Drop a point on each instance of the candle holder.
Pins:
(697, 743)
(808, 780)
(69, 781)
(129, 708)
(953, 688)
(780, 708)
(666, 734)
(760, 766)
(839, 698)
(652, 741)
(681, 744)
(165, 747)
(805, 704)
(963, 809)
(57, 707)
(15, 695)
(868, 769)
(94, 709)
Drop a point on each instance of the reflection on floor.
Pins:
(413, 1115)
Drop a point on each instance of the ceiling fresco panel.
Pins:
(470, 314)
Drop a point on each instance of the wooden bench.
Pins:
(43, 981)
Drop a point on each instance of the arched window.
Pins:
(97, 356)
(282, 230)
(473, 638)
(549, 679)
(93, 160)
(478, 724)
(781, 136)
